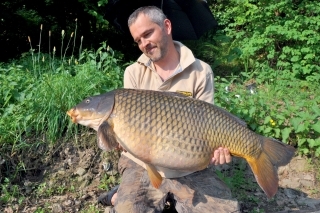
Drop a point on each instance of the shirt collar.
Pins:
(186, 56)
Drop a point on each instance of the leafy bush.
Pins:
(15, 92)
(281, 37)
(286, 110)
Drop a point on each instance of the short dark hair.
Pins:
(154, 13)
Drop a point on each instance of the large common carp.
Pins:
(172, 131)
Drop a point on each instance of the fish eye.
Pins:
(88, 101)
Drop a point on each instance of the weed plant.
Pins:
(35, 94)
(280, 108)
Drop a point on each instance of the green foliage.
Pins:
(284, 109)
(90, 209)
(108, 181)
(238, 181)
(10, 192)
(15, 94)
(38, 103)
(278, 36)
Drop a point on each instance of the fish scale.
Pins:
(176, 132)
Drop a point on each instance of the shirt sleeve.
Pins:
(205, 90)
(129, 82)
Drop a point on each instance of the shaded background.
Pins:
(97, 21)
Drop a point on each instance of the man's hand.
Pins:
(221, 156)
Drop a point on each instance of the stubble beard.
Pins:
(161, 51)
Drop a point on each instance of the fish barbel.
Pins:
(173, 131)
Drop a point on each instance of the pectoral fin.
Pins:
(106, 137)
(154, 176)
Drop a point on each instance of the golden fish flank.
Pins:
(172, 131)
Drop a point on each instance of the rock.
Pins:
(283, 170)
(80, 179)
(290, 193)
(67, 203)
(306, 183)
(308, 201)
(8, 210)
(61, 171)
(280, 202)
(308, 177)
(290, 183)
(299, 164)
(56, 208)
(80, 171)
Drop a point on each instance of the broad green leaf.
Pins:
(285, 134)
(311, 142)
(316, 127)
(317, 152)
(267, 120)
(301, 141)
(304, 150)
(267, 130)
(295, 122)
(300, 128)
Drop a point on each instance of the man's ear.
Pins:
(167, 26)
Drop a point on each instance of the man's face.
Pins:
(151, 39)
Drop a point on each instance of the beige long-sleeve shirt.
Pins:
(193, 78)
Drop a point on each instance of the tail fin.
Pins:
(274, 154)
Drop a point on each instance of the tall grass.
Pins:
(35, 96)
(37, 93)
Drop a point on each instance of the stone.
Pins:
(283, 170)
(290, 183)
(308, 177)
(290, 193)
(8, 210)
(56, 208)
(80, 171)
(67, 203)
(280, 202)
(299, 164)
(308, 201)
(306, 183)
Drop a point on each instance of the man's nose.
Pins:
(144, 43)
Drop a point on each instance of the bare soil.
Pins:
(71, 176)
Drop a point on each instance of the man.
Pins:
(167, 65)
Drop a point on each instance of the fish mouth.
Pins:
(73, 113)
(85, 118)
